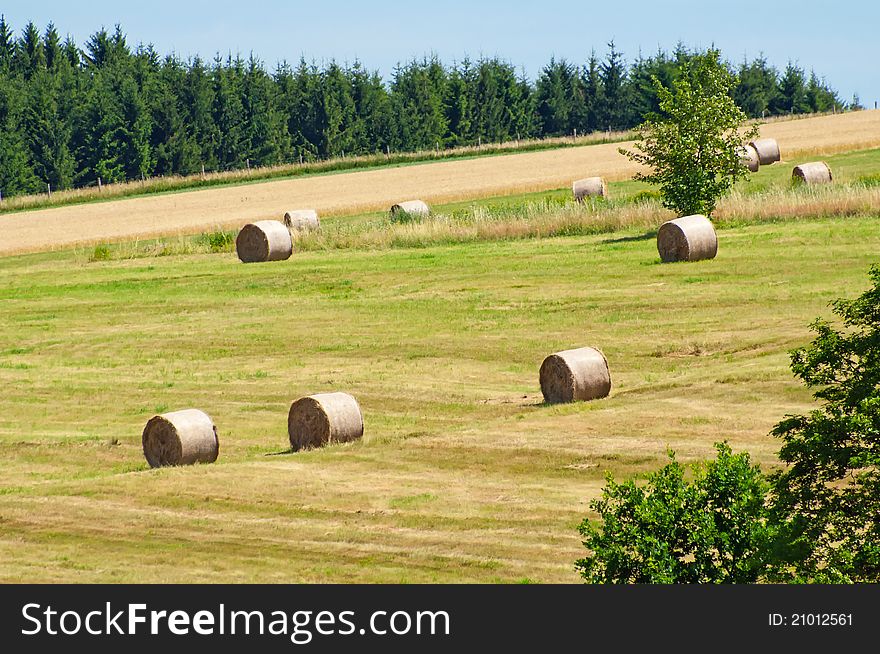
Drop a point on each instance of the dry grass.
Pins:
(544, 218)
(537, 219)
(800, 203)
(463, 474)
(368, 190)
(218, 240)
(828, 134)
(532, 218)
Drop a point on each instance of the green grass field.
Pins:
(463, 474)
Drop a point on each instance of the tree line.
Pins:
(71, 116)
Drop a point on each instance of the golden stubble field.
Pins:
(353, 192)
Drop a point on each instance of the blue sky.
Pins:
(838, 40)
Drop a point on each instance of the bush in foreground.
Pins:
(712, 529)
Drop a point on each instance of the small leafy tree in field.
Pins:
(709, 530)
(827, 501)
(692, 146)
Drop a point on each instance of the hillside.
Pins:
(463, 474)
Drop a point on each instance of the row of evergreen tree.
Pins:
(71, 115)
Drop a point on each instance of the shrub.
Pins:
(645, 196)
(403, 217)
(821, 519)
(101, 253)
(710, 530)
(870, 180)
(218, 241)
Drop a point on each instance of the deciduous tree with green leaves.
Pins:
(827, 500)
(692, 145)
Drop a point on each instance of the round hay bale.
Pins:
(749, 156)
(815, 172)
(324, 418)
(265, 240)
(690, 238)
(590, 187)
(411, 207)
(767, 149)
(575, 376)
(180, 438)
(301, 220)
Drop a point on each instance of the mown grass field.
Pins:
(463, 475)
(438, 328)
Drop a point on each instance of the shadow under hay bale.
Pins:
(180, 438)
(589, 187)
(749, 156)
(302, 220)
(322, 419)
(767, 149)
(410, 209)
(690, 238)
(814, 172)
(264, 240)
(575, 376)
